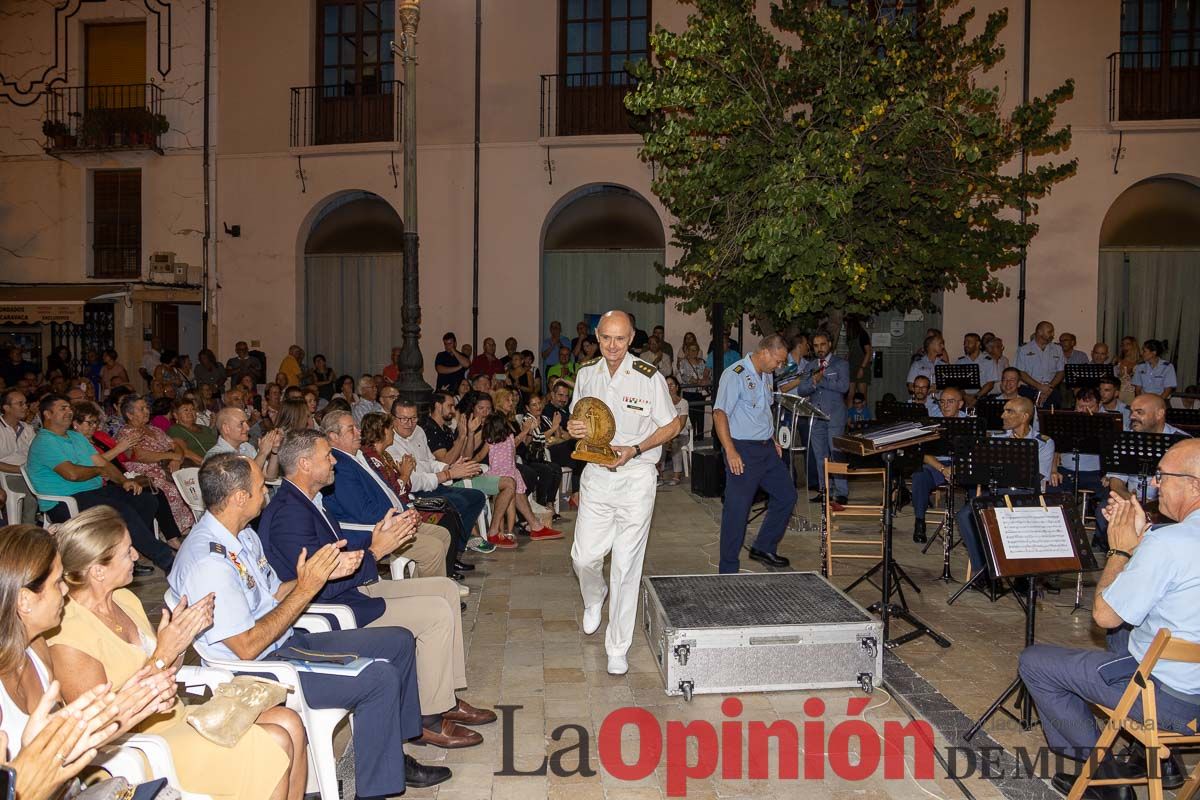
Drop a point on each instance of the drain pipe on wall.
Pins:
(1024, 171)
(204, 254)
(475, 245)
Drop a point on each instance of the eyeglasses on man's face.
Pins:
(408, 420)
(1160, 474)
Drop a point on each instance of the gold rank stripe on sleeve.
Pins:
(590, 361)
(644, 367)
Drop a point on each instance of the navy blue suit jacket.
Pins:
(355, 496)
(291, 522)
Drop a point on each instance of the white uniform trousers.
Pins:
(615, 509)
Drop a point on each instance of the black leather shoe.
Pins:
(421, 776)
(842, 500)
(457, 576)
(141, 570)
(1063, 781)
(462, 566)
(817, 498)
(1171, 770)
(919, 532)
(770, 559)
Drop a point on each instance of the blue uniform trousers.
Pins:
(822, 448)
(763, 467)
(1065, 682)
(383, 698)
(924, 481)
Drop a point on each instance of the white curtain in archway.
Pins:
(576, 283)
(1152, 294)
(352, 309)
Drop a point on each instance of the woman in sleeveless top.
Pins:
(105, 635)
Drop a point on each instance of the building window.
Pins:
(1160, 59)
(117, 223)
(355, 99)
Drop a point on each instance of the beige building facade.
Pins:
(305, 169)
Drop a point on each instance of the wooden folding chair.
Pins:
(862, 546)
(1146, 731)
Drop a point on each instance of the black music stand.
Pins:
(900, 412)
(1078, 376)
(957, 432)
(959, 376)
(1185, 418)
(1136, 453)
(890, 572)
(996, 462)
(1080, 558)
(991, 410)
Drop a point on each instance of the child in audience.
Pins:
(859, 411)
(500, 448)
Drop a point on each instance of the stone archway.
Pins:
(1149, 281)
(353, 266)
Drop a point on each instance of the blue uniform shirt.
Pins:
(1045, 451)
(1160, 588)
(745, 396)
(922, 366)
(1157, 379)
(988, 371)
(211, 559)
(1041, 365)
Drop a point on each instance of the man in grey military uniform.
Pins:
(616, 503)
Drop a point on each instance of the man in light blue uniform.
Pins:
(935, 469)
(745, 426)
(1151, 580)
(1154, 375)
(989, 373)
(1086, 402)
(1041, 363)
(254, 613)
(1018, 424)
(826, 388)
(1110, 401)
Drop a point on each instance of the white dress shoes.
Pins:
(591, 616)
(617, 665)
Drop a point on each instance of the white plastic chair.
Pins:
(687, 452)
(133, 753)
(319, 723)
(67, 500)
(15, 501)
(485, 514)
(187, 481)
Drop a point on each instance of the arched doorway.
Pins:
(601, 242)
(353, 263)
(1150, 270)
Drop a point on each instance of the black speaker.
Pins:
(708, 472)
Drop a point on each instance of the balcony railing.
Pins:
(1154, 85)
(586, 103)
(348, 113)
(92, 118)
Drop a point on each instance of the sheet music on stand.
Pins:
(1078, 376)
(885, 435)
(960, 376)
(1033, 535)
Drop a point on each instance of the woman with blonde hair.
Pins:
(106, 636)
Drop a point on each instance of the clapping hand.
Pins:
(407, 465)
(348, 563)
(393, 532)
(148, 691)
(1127, 523)
(464, 469)
(178, 628)
(312, 573)
(54, 748)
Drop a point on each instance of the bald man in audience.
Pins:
(233, 436)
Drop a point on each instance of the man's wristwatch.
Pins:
(637, 448)
(1115, 552)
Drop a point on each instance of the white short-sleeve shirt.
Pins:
(637, 395)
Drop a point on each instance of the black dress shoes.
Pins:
(1063, 781)
(770, 559)
(421, 776)
(919, 532)
(817, 498)
(1171, 770)
(457, 576)
(463, 566)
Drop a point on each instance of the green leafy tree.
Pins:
(839, 160)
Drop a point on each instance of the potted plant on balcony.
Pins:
(58, 134)
(96, 129)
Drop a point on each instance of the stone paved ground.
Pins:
(525, 648)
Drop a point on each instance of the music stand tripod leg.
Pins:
(1024, 700)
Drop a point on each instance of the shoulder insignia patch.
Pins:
(216, 547)
(739, 369)
(1043, 437)
(644, 367)
(590, 361)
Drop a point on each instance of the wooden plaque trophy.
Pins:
(601, 428)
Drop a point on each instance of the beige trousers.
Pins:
(428, 550)
(428, 608)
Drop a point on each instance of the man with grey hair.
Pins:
(296, 520)
(233, 436)
(367, 402)
(745, 426)
(616, 503)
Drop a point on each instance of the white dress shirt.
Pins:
(424, 477)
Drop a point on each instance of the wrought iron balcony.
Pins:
(111, 117)
(347, 113)
(1154, 85)
(587, 103)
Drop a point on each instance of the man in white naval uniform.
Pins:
(616, 503)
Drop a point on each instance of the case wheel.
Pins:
(865, 682)
(686, 688)
(681, 654)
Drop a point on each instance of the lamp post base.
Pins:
(410, 383)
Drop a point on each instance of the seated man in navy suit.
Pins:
(428, 607)
(361, 496)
